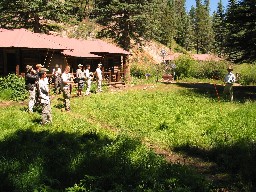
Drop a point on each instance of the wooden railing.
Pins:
(109, 76)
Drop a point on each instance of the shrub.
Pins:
(12, 87)
(137, 72)
(184, 66)
(209, 69)
(187, 67)
(247, 73)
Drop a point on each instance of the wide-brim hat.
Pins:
(39, 65)
(43, 70)
(56, 65)
(230, 68)
(100, 64)
(80, 65)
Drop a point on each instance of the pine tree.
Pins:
(124, 20)
(247, 38)
(219, 29)
(231, 22)
(181, 22)
(30, 13)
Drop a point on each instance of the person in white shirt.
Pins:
(66, 84)
(44, 98)
(56, 73)
(99, 78)
(229, 79)
(80, 79)
(46, 78)
(89, 78)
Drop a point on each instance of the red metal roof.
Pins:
(77, 48)
(173, 56)
(205, 57)
(104, 47)
(23, 38)
(198, 57)
(72, 47)
(85, 48)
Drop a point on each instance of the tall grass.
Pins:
(99, 145)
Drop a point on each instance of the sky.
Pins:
(213, 4)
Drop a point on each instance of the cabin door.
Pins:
(11, 63)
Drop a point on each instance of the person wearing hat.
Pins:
(38, 67)
(89, 78)
(80, 77)
(99, 78)
(44, 97)
(66, 82)
(56, 73)
(30, 82)
(46, 78)
(229, 79)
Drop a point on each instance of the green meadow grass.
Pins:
(100, 144)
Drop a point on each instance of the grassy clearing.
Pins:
(98, 146)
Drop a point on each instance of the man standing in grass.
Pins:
(66, 82)
(80, 79)
(57, 79)
(99, 78)
(89, 77)
(44, 98)
(229, 79)
(30, 81)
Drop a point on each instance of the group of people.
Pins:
(85, 76)
(38, 86)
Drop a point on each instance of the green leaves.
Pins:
(12, 87)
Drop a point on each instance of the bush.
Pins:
(210, 70)
(12, 87)
(137, 72)
(185, 66)
(247, 73)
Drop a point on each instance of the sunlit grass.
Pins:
(104, 135)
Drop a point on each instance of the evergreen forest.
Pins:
(229, 32)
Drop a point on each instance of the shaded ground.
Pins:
(241, 93)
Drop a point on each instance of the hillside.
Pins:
(147, 53)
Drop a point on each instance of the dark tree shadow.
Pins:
(241, 93)
(233, 164)
(32, 161)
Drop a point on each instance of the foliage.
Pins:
(240, 40)
(32, 14)
(84, 30)
(184, 66)
(210, 70)
(203, 33)
(124, 20)
(247, 74)
(12, 87)
(187, 67)
(219, 28)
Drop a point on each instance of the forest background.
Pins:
(229, 32)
